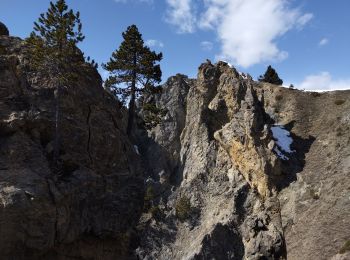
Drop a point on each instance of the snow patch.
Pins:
(243, 75)
(283, 141)
(280, 154)
(229, 64)
(136, 149)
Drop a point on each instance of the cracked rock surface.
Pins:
(249, 197)
(87, 209)
(236, 169)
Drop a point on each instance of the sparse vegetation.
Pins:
(314, 194)
(2, 50)
(345, 248)
(153, 115)
(183, 208)
(155, 212)
(148, 198)
(279, 97)
(339, 102)
(339, 131)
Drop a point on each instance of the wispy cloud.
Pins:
(323, 81)
(247, 30)
(206, 45)
(323, 42)
(154, 43)
(303, 20)
(181, 14)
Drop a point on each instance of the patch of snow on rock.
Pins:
(136, 149)
(283, 141)
(229, 64)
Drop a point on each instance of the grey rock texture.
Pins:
(248, 199)
(214, 148)
(86, 210)
(223, 206)
(3, 30)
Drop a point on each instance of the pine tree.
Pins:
(271, 76)
(54, 39)
(53, 53)
(133, 68)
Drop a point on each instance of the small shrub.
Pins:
(183, 208)
(2, 50)
(345, 248)
(339, 131)
(153, 115)
(339, 102)
(279, 97)
(149, 196)
(314, 194)
(291, 86)
(155, 212)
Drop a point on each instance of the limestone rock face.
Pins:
(88, 208)
(264, 169)
(3, 30)
(228, 218)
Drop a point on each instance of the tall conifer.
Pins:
(133, 67)
(53, 52)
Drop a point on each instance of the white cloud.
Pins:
(181, 14)
(303, 20)
(323, 81)
(154, 43)
(247, 29)
(323, 42)
(206, 45)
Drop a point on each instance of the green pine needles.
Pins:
(271, 76)
(133, 68)
(52, 44)
(53, 53)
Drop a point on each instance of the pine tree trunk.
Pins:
(132, 100)
(56, 148)
(131, 109)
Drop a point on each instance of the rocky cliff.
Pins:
(236, 169)
(264, 168)
(86, 209)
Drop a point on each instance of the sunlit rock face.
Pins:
(250, 158)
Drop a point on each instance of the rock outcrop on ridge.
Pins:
(256, 161)
(88, 208)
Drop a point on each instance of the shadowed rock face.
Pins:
(87, 208)
(3, 30)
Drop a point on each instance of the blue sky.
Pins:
(306, 41)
